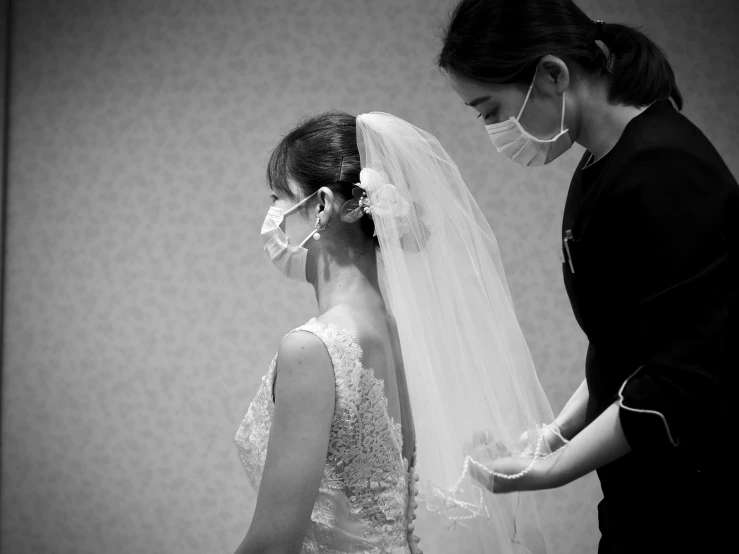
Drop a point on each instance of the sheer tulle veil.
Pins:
(468, 367)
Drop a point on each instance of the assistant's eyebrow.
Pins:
(477, 101)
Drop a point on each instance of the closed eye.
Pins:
(487, 116)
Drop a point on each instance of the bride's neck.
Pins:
(353, 282)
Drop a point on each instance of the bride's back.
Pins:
(365, 499)
(377, 336)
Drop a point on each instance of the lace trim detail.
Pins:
(365, 468)
(365, 444)
(253, 433)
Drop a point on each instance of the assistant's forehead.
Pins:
(466, 88)
(472, 91)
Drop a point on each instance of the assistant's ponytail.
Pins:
(638, 68)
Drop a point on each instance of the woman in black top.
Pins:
(650, 261)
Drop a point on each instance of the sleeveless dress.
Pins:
(366, 499)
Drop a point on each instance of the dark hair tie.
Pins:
(599, 32)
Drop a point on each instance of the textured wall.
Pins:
(141, 309)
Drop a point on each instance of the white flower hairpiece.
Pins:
(379, 198)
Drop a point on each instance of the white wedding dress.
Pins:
(367, 495)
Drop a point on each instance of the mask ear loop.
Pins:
(526, 100)
(295, 207)
(303, 201)
(562, 121)
(313, 232)
(531, 87)
(520, 113)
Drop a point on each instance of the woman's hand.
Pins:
(567, 425)
(552, 435)
(536, 478)
(600, 443)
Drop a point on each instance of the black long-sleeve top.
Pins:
(651, 243)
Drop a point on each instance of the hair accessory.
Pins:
(341, 168)
(599, 33)
(359, 193)
(365, 204)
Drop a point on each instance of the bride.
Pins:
(415, 372)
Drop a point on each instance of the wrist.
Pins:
(558, 426)
(547, 474)
(565, 428)
(555, 438)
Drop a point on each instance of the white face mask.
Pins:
(512, 140)
(289, 259)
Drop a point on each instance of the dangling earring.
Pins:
(317, 234)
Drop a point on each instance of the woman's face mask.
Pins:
(289, 259)
(515, 143)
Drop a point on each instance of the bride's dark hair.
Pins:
(501, 41)
(321, 151)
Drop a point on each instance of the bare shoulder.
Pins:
(304, 368)
(300, 347)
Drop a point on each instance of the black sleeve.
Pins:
(673, 257)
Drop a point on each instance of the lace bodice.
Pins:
(363, 502)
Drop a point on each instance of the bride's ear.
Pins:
(325, 207)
